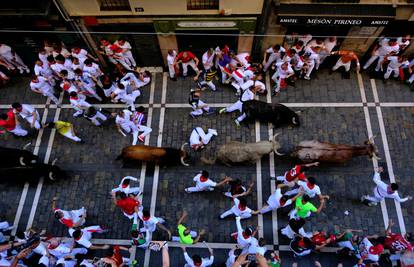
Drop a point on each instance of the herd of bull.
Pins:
(20, 163)
(235, 152)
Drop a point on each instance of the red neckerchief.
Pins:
(301, 243)
(203, 179)
(311, 186)
(124, 185)
(74, 97)
(241, 208)
(245, 236)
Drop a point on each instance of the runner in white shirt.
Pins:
(256, 83)
(80, 54)
(93, 69)
(79, 103)
(382, 191)
(258, 246)
(203, 183)
(199, 138)
(86, 83)
(244, 238)
(275, 201)
(403, 42)
(196, 260)
(239, 209)
(126, 51)
(124, 186)
(170, 61)
(42, 69)
(68, 86)
(283, 71)
(232, 256)
(368, 252)
(274, 54)
(150, 223)
(386, 47)
(42, 86)
(137, 80)
(246, 96)
(120, 94)
(329, 45)
(309, 187)
(395, 62)
(29, 113)
(208, 59)
(83, 236)
(313, 61)
(124, 123)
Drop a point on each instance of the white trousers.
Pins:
(210, 84)
(190, 63)
(237, 106)
(19, 131)
(71, 136)
(131, 127)
(29, 119)
(130, 58)
(234, 210)
(200, 111)
(339, 64)
(197, 134)
(310, 68)
(129, 99)
(144, 129)
(97, 116)
(91, 92)
(390, 70)
(223, 74)
(171, 70)
(50, 94)
(376, 198)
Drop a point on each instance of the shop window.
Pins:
(202, 4)
(114, 5)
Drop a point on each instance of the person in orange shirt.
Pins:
(345, 60)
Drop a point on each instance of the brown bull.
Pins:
(156, 155)
(313, 150)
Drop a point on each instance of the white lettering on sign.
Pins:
(289, 20)
(379, 22)
(206, 24)
(347, 22)
(319, 21)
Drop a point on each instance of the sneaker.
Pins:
(212, 131)
(27, 70)
(221, 111)
(141, 138)
(186, 190)
(237, 123)
(371, 204)
(306, 78)
(363, 198)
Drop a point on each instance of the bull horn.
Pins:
(274, 136)
(294, 120)
(21, 161)
(298, 112)
(374, 156)
(182, 147)
(371, 139)
(26, 145)
(278, 153)
(183, 162)
(54, 161)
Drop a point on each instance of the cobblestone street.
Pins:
(332, 109)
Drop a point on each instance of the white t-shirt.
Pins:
(93, 70)
(203, 185)
(310, 192)
(364, 247)
(150, 224)
(82, 55)
(386, 49)
(207, 60)
(126, 46)
(57, 67)
(80, 101)
(283, 73)
(274, 199)
(250, 83)
(395, 64)
(236, 210)
(85, 238)
(125, 121)
(42, 85)
(247, 95)
(142, 83)
(44, 70)
(204, 261)
(27, 111)
(382, 189)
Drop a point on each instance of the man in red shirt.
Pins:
(187, 59)
(128, 205)
(395, 243)
(298, 172)
(9, 123)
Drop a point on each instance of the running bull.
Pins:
(156, 155)
(237, 152)
(11, 157)
(277, 114)
(50, 172)
(313, 150)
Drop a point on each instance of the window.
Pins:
(114, 5)
(202, 4)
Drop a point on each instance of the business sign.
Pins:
(206, 24)
(333, 21)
